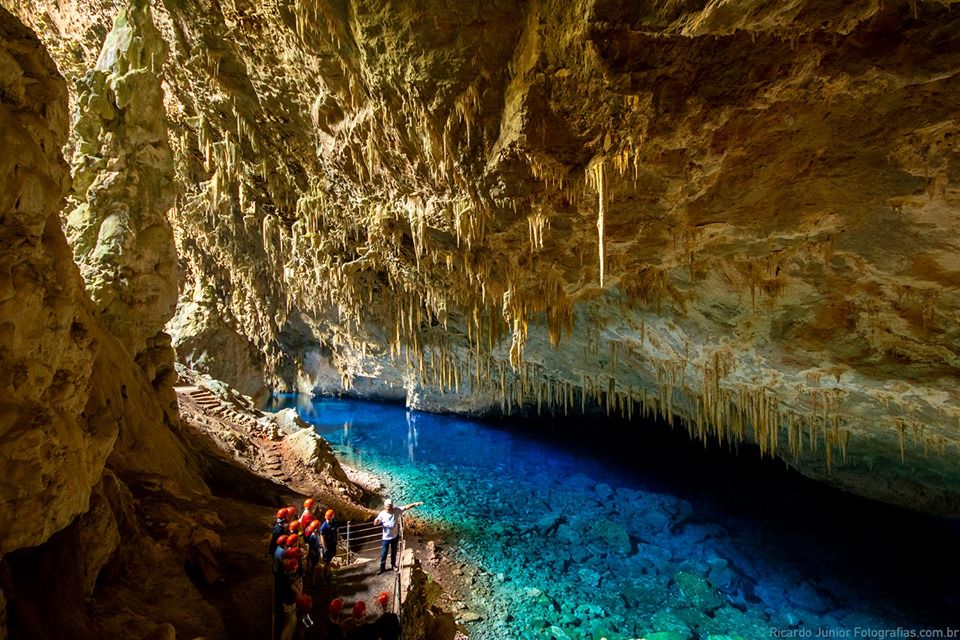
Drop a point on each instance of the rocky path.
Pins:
(212, 408)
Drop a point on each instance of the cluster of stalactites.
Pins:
(728, 415)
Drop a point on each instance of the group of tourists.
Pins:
(358, 624)
(302, 549)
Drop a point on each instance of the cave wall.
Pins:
(737, 216)
(88, 419)
(47, 346)
(123, 189)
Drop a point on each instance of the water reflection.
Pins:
(412, 434)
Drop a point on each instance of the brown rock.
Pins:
(163, 632)
(49, 455)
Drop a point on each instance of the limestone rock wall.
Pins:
(82, 425)
(123, 190)
(737, 215)
(207, 343)
(46, 335)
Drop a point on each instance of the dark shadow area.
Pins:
(905, 556)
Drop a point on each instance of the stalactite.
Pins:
(596, 178)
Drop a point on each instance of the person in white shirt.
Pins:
(389, 519)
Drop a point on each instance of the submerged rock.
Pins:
(668, 635)
(697, 591)
(614, 535)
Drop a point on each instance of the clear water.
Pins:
(594, 528)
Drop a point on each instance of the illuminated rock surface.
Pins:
(742, 216)
(739, 216)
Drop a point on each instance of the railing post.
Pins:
(348, 543)
(398, 583)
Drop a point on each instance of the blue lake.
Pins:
(595, 528)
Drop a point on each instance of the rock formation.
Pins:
(84, 430)
(47, 340)
(123, 188)
(738, 217)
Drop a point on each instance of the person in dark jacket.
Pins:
(328, 539)
(290, 588)
(279, 529)
(314, 551)
(387, 623)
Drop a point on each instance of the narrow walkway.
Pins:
(242, 586)
(356, 582)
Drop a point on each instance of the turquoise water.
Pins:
(594, 528)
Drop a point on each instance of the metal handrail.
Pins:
(367, 531)
(401, 547)
(375, 534)
(366, 535)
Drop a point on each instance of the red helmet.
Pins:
(383, 598)
(335, 606)
(282, 514)
(294, 525)
(304, 603)
(293, 540)
(308, 503)
(359, 609)
(329, 514)
(293, 552)
(290, 565)
(282, 540)
(313, 526)
(291, 510)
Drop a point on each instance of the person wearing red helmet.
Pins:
(356, 625)
(294, 526)
(332, 623)
(335, 608)
(282, 580)
(279, 528)
(304, 613)
(289, 589)
(293, 552)
(314, 549)
(328, 539)
(278, 552)
(387, 623)
(308, 505)
(304, 603)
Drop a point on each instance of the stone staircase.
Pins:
(214, 406)
(272, 450)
